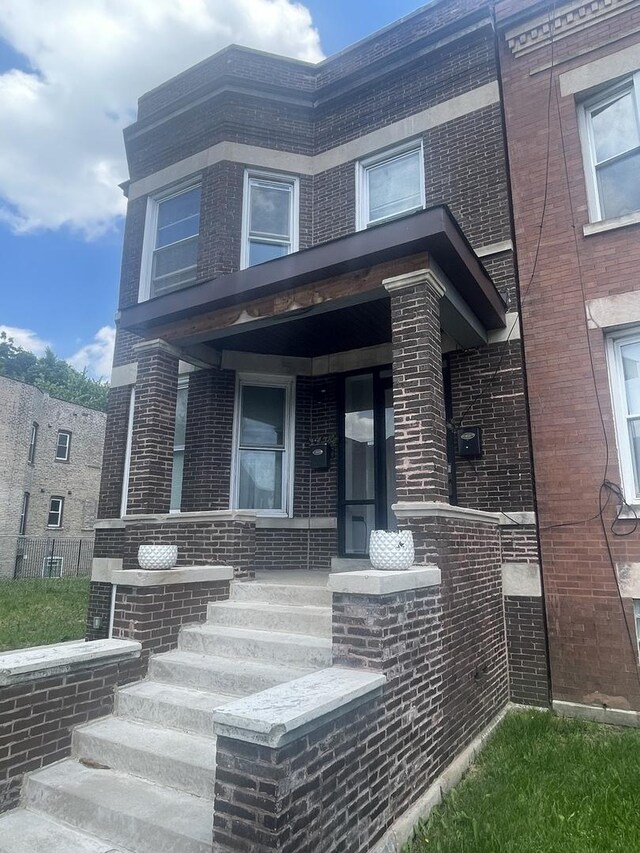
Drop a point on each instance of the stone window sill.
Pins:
(611, 224)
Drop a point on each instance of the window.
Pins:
(171, 242)
(127, 455)
(624, 365)
(610, 126)
(390, 185)
(32, 443)
(63, 446)
(52, 567)
(178, 444)
(270, 218)
(23, 514)
(636, 613)
(54, 519)
(263, 437)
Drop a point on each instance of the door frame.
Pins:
(380, 384)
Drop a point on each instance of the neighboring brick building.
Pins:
(571, 82)
(50, 462)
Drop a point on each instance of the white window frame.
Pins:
(616, 382)
(59, 561)
(127, 455)
(362, 184)
(150, 230)
(587, 141)
(183, 383)
(59, 512)
(33, 440)
(67, 449)
(288, 454)
(251, 176)
(636, 619)
(24, 512)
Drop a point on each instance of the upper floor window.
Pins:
(390, 184)
(624, 366)
(171, 242)
(611, 146)
(32, 443)
(270, 218)
(54, 518)
(63, 447)
(22, 529)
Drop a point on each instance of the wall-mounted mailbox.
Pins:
(319, 457)
(470, 441)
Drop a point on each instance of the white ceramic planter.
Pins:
(391, 550)
(157, 558)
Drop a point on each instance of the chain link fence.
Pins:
(45, 557)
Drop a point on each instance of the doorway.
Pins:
(366, 484)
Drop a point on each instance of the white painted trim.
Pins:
(521, 580)
(494, 248)
(597, 713)
(600, 71)
(401, 830)
(373, 582)
(518, 519)
(611, 224)
(125, 374)
(413, 146)
(287, 161)
(172, 577)
(103, 567)
(618, 399)
(288, 454)
(313, 523)
(607, 312)
(61, 658)
(294, 211)
(189, 517)
(439, 509)
(629, 579)
(288, 711)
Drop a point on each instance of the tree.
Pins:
(52, 375)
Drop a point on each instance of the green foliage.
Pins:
(52, 375)
(39, 612)
(543, 785)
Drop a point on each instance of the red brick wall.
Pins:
(592, 659)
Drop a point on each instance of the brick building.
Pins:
(50, 463)
(570, 80)
(318, 336)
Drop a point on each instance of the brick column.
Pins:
(153, 429)
(418, 394)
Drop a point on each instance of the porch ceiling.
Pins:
(470, 305)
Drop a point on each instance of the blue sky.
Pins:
(61, 150)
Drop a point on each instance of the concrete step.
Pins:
(141, 816)
(282, 593)
(262, 616)
(268, 646)
(167, 705)
(174, 759)
(24, 831)
(218, 674)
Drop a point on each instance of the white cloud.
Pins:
(26, 338)
(97, 356)
(61, 152)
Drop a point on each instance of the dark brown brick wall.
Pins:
(526, 641)
(37, 717)
(115, 444)
(315, 492)
(592, 658)
(295, 549)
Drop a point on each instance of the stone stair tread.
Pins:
(240, 604)
(241, 633)
(158, 740)
(202, 700)
(297, 594)
(110, 804)
(25, 831)
(215, 663)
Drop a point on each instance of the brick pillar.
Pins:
(418, 394)
(153, 429)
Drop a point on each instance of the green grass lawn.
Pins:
(543, 785)
(37, 612)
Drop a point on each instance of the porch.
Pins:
(283, 411)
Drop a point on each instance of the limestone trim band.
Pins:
(313, 523)
(373, 582)
(410, 279)
(62, 658)
(189, 517)
(518, 519)
(288, 711)
(439, 509)
(172, 577)
(102, 568)
(521, 580)
(109, 524)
